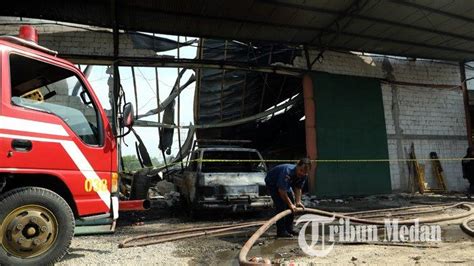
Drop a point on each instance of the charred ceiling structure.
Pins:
(263, 104)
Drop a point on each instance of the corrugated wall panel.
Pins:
(350, 124)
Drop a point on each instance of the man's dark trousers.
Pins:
(286, 223)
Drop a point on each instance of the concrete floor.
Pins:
(455, 247)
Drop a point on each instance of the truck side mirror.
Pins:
(127, 119)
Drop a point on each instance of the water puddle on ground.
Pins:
(453, 233)
(268, 247)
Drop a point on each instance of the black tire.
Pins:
(140, 185)
(56, 205)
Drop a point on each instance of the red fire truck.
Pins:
(58, 152)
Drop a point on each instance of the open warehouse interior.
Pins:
(413, 101)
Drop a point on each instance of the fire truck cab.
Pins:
(58, 152)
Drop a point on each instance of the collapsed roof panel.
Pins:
(230, 95)
(225, 95)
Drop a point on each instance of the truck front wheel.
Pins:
(37, 226)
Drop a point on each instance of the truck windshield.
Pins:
(241, 161)
(44, 87)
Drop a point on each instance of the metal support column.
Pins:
(465, 95)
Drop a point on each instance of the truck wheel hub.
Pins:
(29, 231)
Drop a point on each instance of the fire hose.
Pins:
(466, 228)
(251, 241)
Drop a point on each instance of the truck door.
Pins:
(55, 126)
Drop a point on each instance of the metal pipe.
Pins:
(143, 123)
(135, 92)
(134, 205)
(115, 66)
(419, 84)
(179, 111)
(157, 93)
(157, 80)
(183, 62)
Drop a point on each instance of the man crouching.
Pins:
(282, 182)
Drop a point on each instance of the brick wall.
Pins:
(71, 39)
(432, 118)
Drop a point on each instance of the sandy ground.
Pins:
(455, 248)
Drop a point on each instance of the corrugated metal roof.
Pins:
(441, 29)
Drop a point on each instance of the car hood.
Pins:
(233, 179)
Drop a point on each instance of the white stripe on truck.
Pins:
(71, 149)
(32, 126)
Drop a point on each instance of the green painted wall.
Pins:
(350, 124)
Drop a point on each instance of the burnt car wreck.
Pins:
(223, 175)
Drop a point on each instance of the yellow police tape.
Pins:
(325, 161)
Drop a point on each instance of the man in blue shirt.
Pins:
(282, 181)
